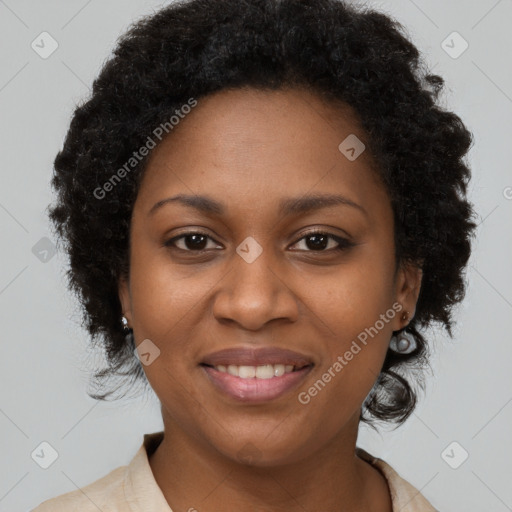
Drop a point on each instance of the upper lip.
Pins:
(256, 357)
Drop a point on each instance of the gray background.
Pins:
(45, 361)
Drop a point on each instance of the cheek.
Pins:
(161, 295)
(354, 308)
(352, 297)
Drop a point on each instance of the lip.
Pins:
(242, 356)
(255, 390)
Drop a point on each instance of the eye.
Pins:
(193, 241)
(321, 241)
(314, 241)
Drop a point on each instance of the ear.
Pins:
(407, 290)
(125, 299)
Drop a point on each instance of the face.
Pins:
(259, 265)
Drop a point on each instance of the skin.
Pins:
(248, 149)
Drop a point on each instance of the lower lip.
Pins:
(255, 390)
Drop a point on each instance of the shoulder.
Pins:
(102, 494)
(130, 487)
(404, 496)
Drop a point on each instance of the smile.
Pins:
(255, 383)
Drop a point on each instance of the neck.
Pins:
(194, 475)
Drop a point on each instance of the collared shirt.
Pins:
(133, 488)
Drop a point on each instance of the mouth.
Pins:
(255, 384)
(255, 375)
(245, 374)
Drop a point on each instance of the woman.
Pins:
(263, 206)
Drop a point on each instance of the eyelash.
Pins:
(343, 243)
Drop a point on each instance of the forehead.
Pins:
(246, 144)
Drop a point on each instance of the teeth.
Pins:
(266, 371)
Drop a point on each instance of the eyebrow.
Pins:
(287, 206)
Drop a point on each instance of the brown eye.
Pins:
(320, 241)
(315, 241)
(192, 241)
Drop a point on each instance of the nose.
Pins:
(254, 293)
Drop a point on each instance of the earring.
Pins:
(125, 323)
(128, 332)
(404, 343)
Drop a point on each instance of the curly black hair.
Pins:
(341, 52)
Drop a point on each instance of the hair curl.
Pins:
(342, 53)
